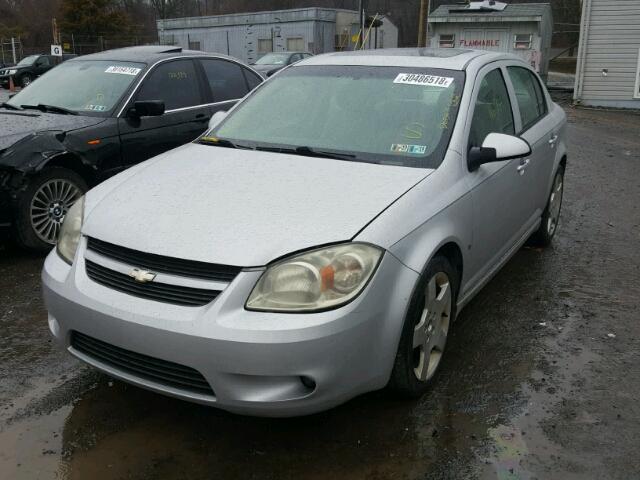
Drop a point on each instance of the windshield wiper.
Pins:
(50, 108)
(221, 142)
(9, 106)
(309, 152)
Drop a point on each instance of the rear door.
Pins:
(537, 129)
(228, 82)
(178, 83)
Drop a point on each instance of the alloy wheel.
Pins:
(430, 333)
(555, 204)
(49, 205)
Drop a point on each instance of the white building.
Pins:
(523, 29)
(248, 36)
(608, 73)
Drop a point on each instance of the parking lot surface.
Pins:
(541, 381)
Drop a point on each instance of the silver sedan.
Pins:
(318, 241)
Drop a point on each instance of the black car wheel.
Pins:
(25, 80)
(43, 206)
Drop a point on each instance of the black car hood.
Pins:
(16, 125)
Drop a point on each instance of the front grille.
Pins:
(142, 366)
(160, 292)
(162, 264)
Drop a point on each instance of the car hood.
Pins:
(239, 207)
(14, 67)
(16, 125)
(266, 68)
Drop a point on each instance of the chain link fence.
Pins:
(14, 50)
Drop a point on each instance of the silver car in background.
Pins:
(318, 242)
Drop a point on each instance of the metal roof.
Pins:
(522, 10)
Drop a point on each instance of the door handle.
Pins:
(202, 118)
(553, 140)
(523, 166)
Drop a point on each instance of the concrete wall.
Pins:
(609, 40)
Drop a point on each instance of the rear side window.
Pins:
(531, 100)
(175, 82)
(253, 80)
(225, 78)
(492, 113)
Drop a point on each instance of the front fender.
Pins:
(31, 153)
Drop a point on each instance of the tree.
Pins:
(94, 17)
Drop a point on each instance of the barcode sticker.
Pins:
(423, 80)
(123, 70)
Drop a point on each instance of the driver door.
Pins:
(186, 116)
(500, 210)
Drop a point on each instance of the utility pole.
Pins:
(361, 9)
(424, 13)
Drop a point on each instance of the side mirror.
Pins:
(147, 108)
(216, 118)
(497, 147)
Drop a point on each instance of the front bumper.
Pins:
(253, 361)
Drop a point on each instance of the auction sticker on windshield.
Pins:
(423, 80)
(123, 70)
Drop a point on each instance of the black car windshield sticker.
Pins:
(423, 80)
(123, 70)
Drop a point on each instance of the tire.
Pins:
(413, 373)
(42, 206)
(551, 215)
(25, 80)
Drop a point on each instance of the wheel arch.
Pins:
(72, 162)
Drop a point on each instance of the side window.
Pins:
(225, 78)
(295, 58)
(44, 61)
(253, 80)
(175, 82)
(492, 112)
(531, 100)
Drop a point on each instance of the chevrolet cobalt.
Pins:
(319, 239)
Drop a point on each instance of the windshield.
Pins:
(390, 115)
(274, 59)
(91, 87)
(28, 60)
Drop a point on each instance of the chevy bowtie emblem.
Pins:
(142, 276)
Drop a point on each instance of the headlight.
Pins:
(12, 72)
(317, 280)
(70, 232)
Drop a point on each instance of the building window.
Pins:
(265, 45)
(447, 40)
(522, 41)
(295, 44)
(194, 45)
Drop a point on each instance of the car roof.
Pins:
(449, 58)
(147, 54)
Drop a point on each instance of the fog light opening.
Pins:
(308, 382)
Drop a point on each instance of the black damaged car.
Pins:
(92, 117)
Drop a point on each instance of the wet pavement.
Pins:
(541, 381)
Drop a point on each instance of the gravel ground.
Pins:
(541, 381)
